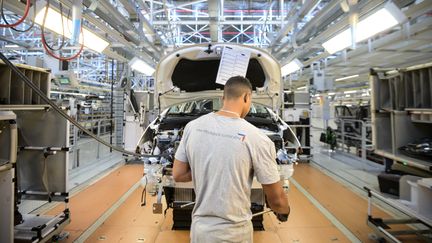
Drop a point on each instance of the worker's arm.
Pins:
(181, 171)
(276, 198)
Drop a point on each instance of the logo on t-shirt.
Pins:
(242, 136)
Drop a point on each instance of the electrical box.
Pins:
(319, 82)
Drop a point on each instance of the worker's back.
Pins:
(223, 153)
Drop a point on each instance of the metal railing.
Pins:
(365, 143)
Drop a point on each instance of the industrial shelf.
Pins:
(402, 113)
(300, 125)
(420, 115)
(13, 90)
(406, 160)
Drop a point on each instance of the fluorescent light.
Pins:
(141, 66)
(339, 42)
(54, 23)
(331, 93)
(347, 77)
(302, 87)
(385, 18)
(350, 92)
(291, 67)
(68, 93)
(12, 46)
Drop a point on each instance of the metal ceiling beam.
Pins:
(221, 22)
(172, 6)
(326, 15)
(18, 8)
(329, 32)
(19, 43)
(113, 17)
(148, 24)
(418, 30)
(129, 6)
(382, 42)
(180, 6)
(292, 20)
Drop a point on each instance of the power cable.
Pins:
(15, 29)
(26, 11)
(63, 113)
(49, 49)
(43, 28)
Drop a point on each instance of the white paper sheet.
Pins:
(234, 62)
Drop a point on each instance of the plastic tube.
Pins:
(76, 20)
(26, 11)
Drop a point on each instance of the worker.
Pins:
(220, 153)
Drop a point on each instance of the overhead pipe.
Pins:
(147, 24)
(143, 22)
(121, 24)
(321, 19)
(326, 15)
(287, 27)
(305, 8)
(213, 10)
(351, 7)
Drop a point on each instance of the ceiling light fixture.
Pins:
(350, 92)
(141, 66)
(302, 87)
(385, 18)
(347, 77)
(291, 67)
(11, 46)
(53, 22)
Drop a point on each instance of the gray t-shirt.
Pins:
(224, 154)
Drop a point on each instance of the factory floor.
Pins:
(323, 210)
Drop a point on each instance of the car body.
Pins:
(185, 90)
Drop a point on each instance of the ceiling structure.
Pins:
(288, 29)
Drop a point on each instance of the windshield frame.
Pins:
(200, 107)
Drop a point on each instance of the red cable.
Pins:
(26, 11)
(59, 57)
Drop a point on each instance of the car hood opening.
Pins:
(190, 73)
(200, 75)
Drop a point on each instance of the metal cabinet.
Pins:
(8, 139)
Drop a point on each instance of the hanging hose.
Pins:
(49, 49)
(64, 114)
(26, 11)
(15, 29)
(44, 42)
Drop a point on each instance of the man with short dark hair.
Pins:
(221, 152)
